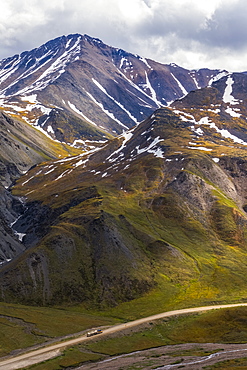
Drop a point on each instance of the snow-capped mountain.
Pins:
(79, 90)
(162, 204)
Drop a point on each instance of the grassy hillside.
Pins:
(25, 326)
(115, 225)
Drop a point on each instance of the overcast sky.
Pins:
(190, 33)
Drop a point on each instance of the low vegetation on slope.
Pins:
(34, 324)
(145, 216)
(23, 146)
(25, 326)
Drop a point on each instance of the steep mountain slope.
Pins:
(76, 88)
(162, 205)
(219, 111)
(21, 147)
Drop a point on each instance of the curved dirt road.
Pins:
(42, 354)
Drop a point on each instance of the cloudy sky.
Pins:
(191, 33)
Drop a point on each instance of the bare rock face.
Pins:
(21, 147)
(10, 208)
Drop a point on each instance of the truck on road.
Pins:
(94, 332)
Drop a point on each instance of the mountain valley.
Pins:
(120, 177)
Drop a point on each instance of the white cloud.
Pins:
(191, 33)
(134, 11)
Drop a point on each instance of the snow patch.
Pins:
(214, 110)
(53, 169)
(184, 91)
(232, 112)
(50, 129)
(227, 97)
(152, 91)
(115, 101)
(192, 75)
(7, 260)
(30, 98)
(218, 77)
(149, 148)
(30, 178)
(137, 88)
(199, 131)
(127, 136)
(216, 160)
(126, 62)
(223, 132)
(145, 62)
(81, 162)
(62, 174)
(73, 107)
(20, 235)
(109, 114)
(199, 148)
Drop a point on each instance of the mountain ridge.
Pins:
(106, 89)
(143, 204)
(160, 206)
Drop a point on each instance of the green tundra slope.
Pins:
(160, 208)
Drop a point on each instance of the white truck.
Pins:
(94, 332)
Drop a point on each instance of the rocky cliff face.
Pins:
(10, 209)
(21, 147)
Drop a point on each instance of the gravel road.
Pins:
(42, 354)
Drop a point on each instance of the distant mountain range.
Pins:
(79, 90)
(161, 205)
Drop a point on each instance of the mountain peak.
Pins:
(78, 81)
